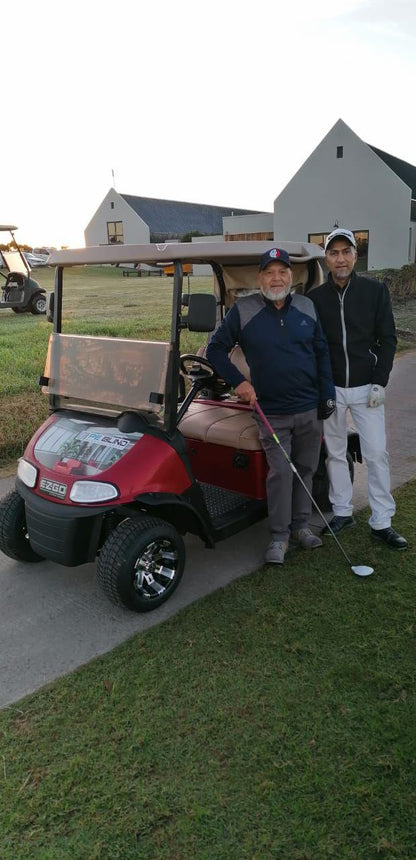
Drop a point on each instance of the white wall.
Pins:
(199, 270)
(232, 224)
(357, 191)
(135, 231)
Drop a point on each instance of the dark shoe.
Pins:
(339, 523)
(390, 537)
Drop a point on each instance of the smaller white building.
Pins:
(124, 219)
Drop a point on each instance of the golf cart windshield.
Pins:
(112, 371)
(15, 262)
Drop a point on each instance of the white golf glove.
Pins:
(376, 396)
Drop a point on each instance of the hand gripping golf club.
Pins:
(358, 569)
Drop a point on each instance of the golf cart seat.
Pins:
(231, 424)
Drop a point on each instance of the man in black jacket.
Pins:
(357, 318)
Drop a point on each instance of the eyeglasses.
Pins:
(342, 252)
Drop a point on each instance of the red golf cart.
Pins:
(144, 444)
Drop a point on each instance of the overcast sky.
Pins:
(218, 102)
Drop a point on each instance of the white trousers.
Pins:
(370, 425)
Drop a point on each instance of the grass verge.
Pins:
(272, 719)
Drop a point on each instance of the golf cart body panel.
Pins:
(20, 292)
(143, 444)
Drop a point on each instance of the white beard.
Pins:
(276, 297)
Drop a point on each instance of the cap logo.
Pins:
(274, 253)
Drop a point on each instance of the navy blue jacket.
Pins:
(285, 349)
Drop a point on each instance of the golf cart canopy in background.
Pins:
(14, 261)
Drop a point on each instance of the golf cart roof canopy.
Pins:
(221, 253)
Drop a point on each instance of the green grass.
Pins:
(271, 720)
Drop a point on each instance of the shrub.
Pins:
(401, 282)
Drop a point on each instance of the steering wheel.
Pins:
(204, 371)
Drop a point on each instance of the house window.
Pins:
(112, 205)
(115, 232)
(340, 152)
(317, 238)
(265, 236)
(361, 238)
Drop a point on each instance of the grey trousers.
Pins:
(288, 505)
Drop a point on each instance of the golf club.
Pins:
(358, 569)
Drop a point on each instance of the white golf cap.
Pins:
(340, 233)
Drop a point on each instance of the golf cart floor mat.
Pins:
(226, 507)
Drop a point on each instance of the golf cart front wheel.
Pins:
(14, 539)
(141, 563)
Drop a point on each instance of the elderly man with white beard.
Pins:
(287, 353)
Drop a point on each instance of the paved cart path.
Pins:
(53, 619)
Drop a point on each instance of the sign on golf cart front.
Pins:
(52, 488)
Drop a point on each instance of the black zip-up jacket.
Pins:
(359, 325)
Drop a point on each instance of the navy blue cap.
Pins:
(275, 255)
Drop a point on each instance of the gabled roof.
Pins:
(170, 219)
(405, 171)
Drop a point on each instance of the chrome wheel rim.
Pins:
(155, 569)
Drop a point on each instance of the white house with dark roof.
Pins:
(126, 219)
(348, 183)
(344, 182)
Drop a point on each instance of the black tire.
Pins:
(14, 540)
(139, 548)
(38, 304)
(320, 487)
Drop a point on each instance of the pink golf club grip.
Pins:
(263, 417)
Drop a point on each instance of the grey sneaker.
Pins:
(306, 539)
(275, 552)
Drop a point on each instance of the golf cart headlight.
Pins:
(92, 491)
(27, 473)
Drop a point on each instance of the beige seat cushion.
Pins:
(221, 425)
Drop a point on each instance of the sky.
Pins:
(218, 102)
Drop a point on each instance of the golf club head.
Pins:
(362, 570)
